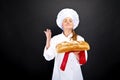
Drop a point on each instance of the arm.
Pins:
(49, 48)
(48, 37)
(81, 56)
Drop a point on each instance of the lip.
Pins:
(68, 24)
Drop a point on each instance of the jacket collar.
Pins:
(69, 36)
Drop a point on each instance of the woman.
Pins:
(67, 20)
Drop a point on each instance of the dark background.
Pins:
(23, 40)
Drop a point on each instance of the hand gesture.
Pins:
(48, 34)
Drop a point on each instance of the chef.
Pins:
(67, 65)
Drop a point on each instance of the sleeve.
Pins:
(83, 55)
(49, 53)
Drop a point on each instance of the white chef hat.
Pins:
(67, 12)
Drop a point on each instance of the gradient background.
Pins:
(23, 39)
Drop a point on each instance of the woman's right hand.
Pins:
(48, 34)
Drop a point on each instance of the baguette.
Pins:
(72, 46)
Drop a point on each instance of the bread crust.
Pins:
(72, 46)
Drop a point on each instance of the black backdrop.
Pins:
(23, 39)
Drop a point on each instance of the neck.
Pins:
(67, 32)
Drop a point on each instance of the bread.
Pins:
(72, 46)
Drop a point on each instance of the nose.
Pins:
(67, 21)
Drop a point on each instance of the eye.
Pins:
(65, 20)
(70, 20)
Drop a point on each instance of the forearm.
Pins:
(47, 43)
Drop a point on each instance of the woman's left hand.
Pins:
(77, 55)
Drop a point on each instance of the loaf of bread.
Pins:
(72, 46)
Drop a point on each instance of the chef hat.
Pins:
(67, 12)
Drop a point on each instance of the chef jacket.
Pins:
(73, 67)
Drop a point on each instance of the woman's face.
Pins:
(67, 23)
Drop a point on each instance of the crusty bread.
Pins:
(72, 46)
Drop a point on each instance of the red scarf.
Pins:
(82, 59)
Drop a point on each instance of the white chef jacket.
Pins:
(73, 68)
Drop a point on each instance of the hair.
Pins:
(74, 37)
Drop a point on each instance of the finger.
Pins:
(45, 32)
(48, 29)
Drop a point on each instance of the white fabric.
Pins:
(73, 68)
(67, 12)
